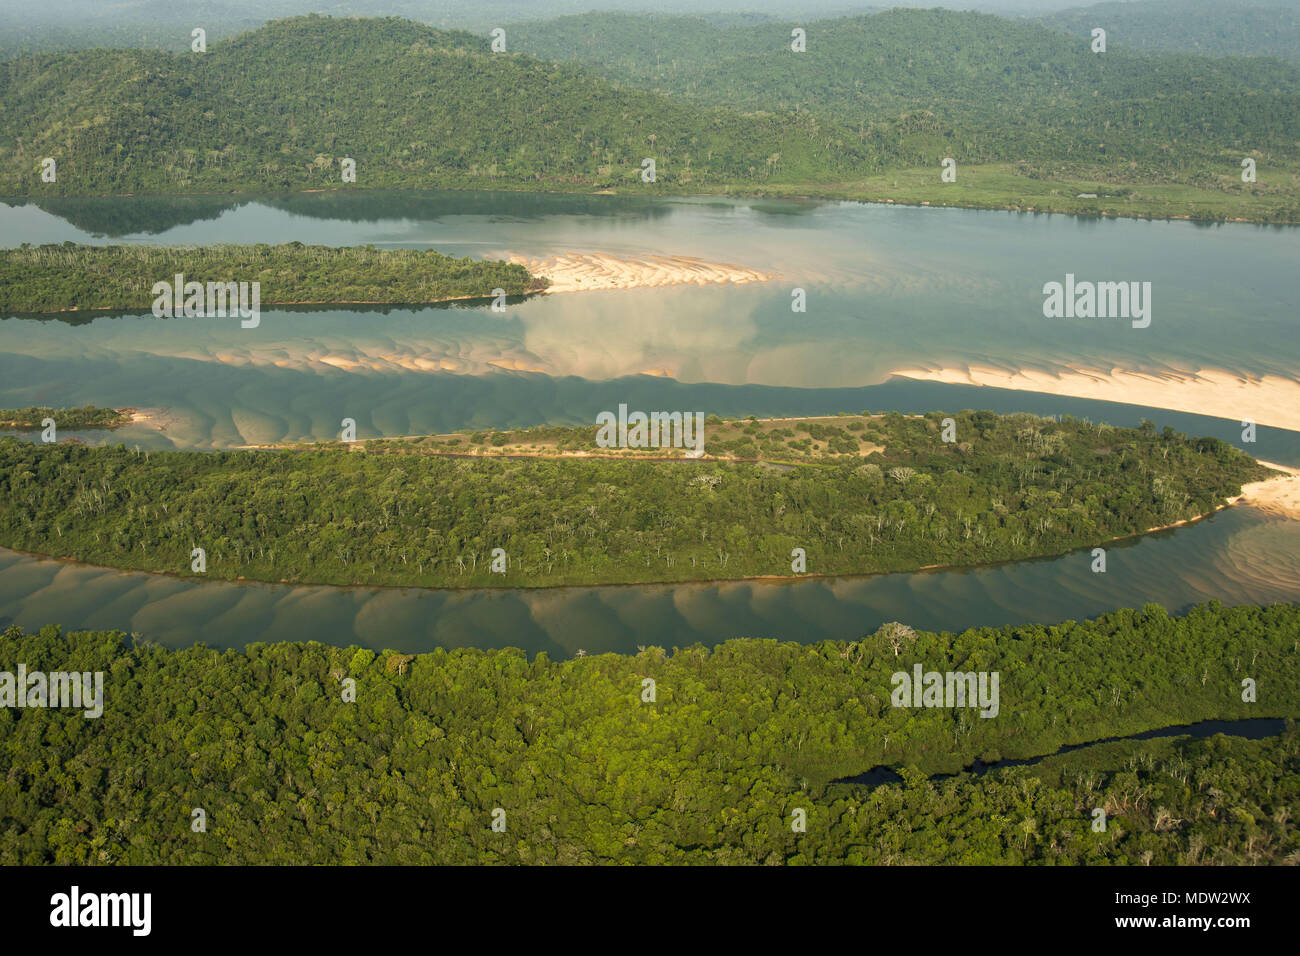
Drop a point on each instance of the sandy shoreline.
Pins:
(1279, 496)
(1266, 400)
(584, 272)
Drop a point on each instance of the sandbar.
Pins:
(583, 272)
(1270, 400)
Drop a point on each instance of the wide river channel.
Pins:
(887, 288)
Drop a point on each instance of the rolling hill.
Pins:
(279, 107)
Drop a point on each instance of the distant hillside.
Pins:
(1212, 27)
(1034, 118)
(1010, 89)
(279, 107)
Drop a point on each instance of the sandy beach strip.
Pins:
(1266, 400)
(581, 272)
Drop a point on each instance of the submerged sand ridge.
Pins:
(579, 272)
(1270, 400)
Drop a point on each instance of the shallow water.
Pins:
(1238, 556)
(888, 287)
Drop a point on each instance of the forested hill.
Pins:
(716, 107)
(1212, 27)
(279, 107)
(1013, 89)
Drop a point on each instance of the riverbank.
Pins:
(1274, 200)
(1095, 193)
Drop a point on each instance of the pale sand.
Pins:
(1267, 400)
(1280, 496)
(579, 272)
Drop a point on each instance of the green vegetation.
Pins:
(53, 278)
(165, 24)
(838, 438)
(413, 106)
(1213, 27)
(997, 89)
(1080, 189)
(1031, 115)
(709, 772)
(88, 416)
(1011, 487)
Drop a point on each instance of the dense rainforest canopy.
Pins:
(413, 106)
(1010, 487)
(586, 769)
(53, 278)
(1216, 27)
(1212, 27)
(986, 88)
(716, 108)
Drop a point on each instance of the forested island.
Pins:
(88, 416)
(55, 278)
(1033, 118)
(894, 496)
(302, 753)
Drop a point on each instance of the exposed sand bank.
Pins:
(1267, 400)
(1280, 496)
(578, 272)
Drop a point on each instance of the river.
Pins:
(887, 288)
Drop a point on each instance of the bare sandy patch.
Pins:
(582, 272)
(1279, 496)
(1266, 400)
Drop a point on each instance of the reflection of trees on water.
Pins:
(105, 216)
(109, 216)
(86, 316)
(500, 205)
